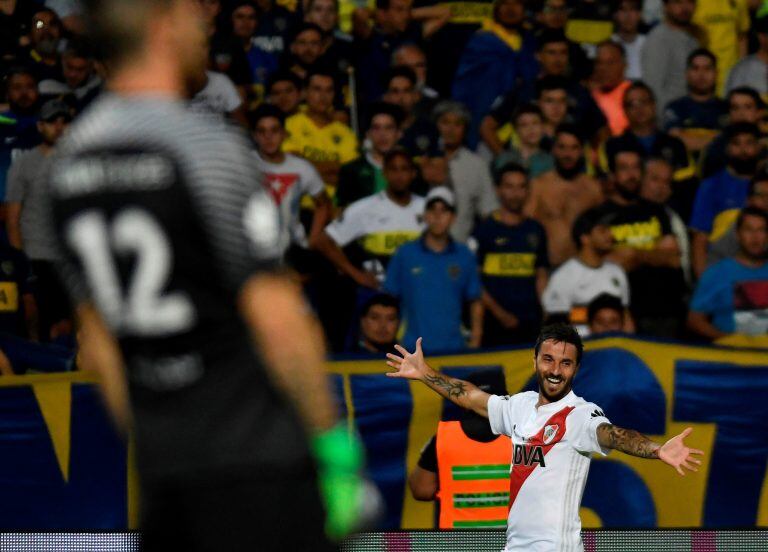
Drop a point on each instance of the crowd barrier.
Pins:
(61, 465)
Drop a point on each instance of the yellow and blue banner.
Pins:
(62, 466)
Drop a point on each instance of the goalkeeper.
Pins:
(170, 250)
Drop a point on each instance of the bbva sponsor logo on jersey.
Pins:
(550, 432)
(526, 455)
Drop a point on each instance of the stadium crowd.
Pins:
(461, 171)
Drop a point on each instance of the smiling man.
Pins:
(553, 433)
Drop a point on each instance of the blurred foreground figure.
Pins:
(171, 249)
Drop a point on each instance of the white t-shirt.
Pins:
(218, 96)
(287, 183)
(574, 285)
(380, 224)
(551, 448)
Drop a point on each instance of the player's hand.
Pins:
(409, 365)
(676, 454)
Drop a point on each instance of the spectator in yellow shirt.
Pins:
(316, 136)
(725, 24)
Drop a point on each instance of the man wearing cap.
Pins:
(26, 217)
(434, 277)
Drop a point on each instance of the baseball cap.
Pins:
(440, 193)
(53, 109)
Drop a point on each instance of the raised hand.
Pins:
(676, 454)
(409, 365)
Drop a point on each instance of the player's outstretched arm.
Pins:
(674, 452)
(413, 366)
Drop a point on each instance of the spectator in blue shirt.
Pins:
(720, 197)
(434, 277)
(513, 259)
(732, 295)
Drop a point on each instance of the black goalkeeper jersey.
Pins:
(162, 218)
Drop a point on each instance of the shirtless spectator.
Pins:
(562, 194)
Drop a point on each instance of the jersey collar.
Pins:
(450, 249)
(558, 404)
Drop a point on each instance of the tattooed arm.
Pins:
(457, 391)
(674, 452)
(628, 441)
(460, 392)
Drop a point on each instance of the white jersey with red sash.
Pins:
(551, 452)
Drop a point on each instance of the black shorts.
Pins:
(232, 513)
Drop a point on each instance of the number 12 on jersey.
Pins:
(143, 308)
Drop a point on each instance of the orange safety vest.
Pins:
(473, 478)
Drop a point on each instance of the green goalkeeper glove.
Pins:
(762, 10)
(339, 456)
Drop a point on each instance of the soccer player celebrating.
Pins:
(553, 434)
(170, 254)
